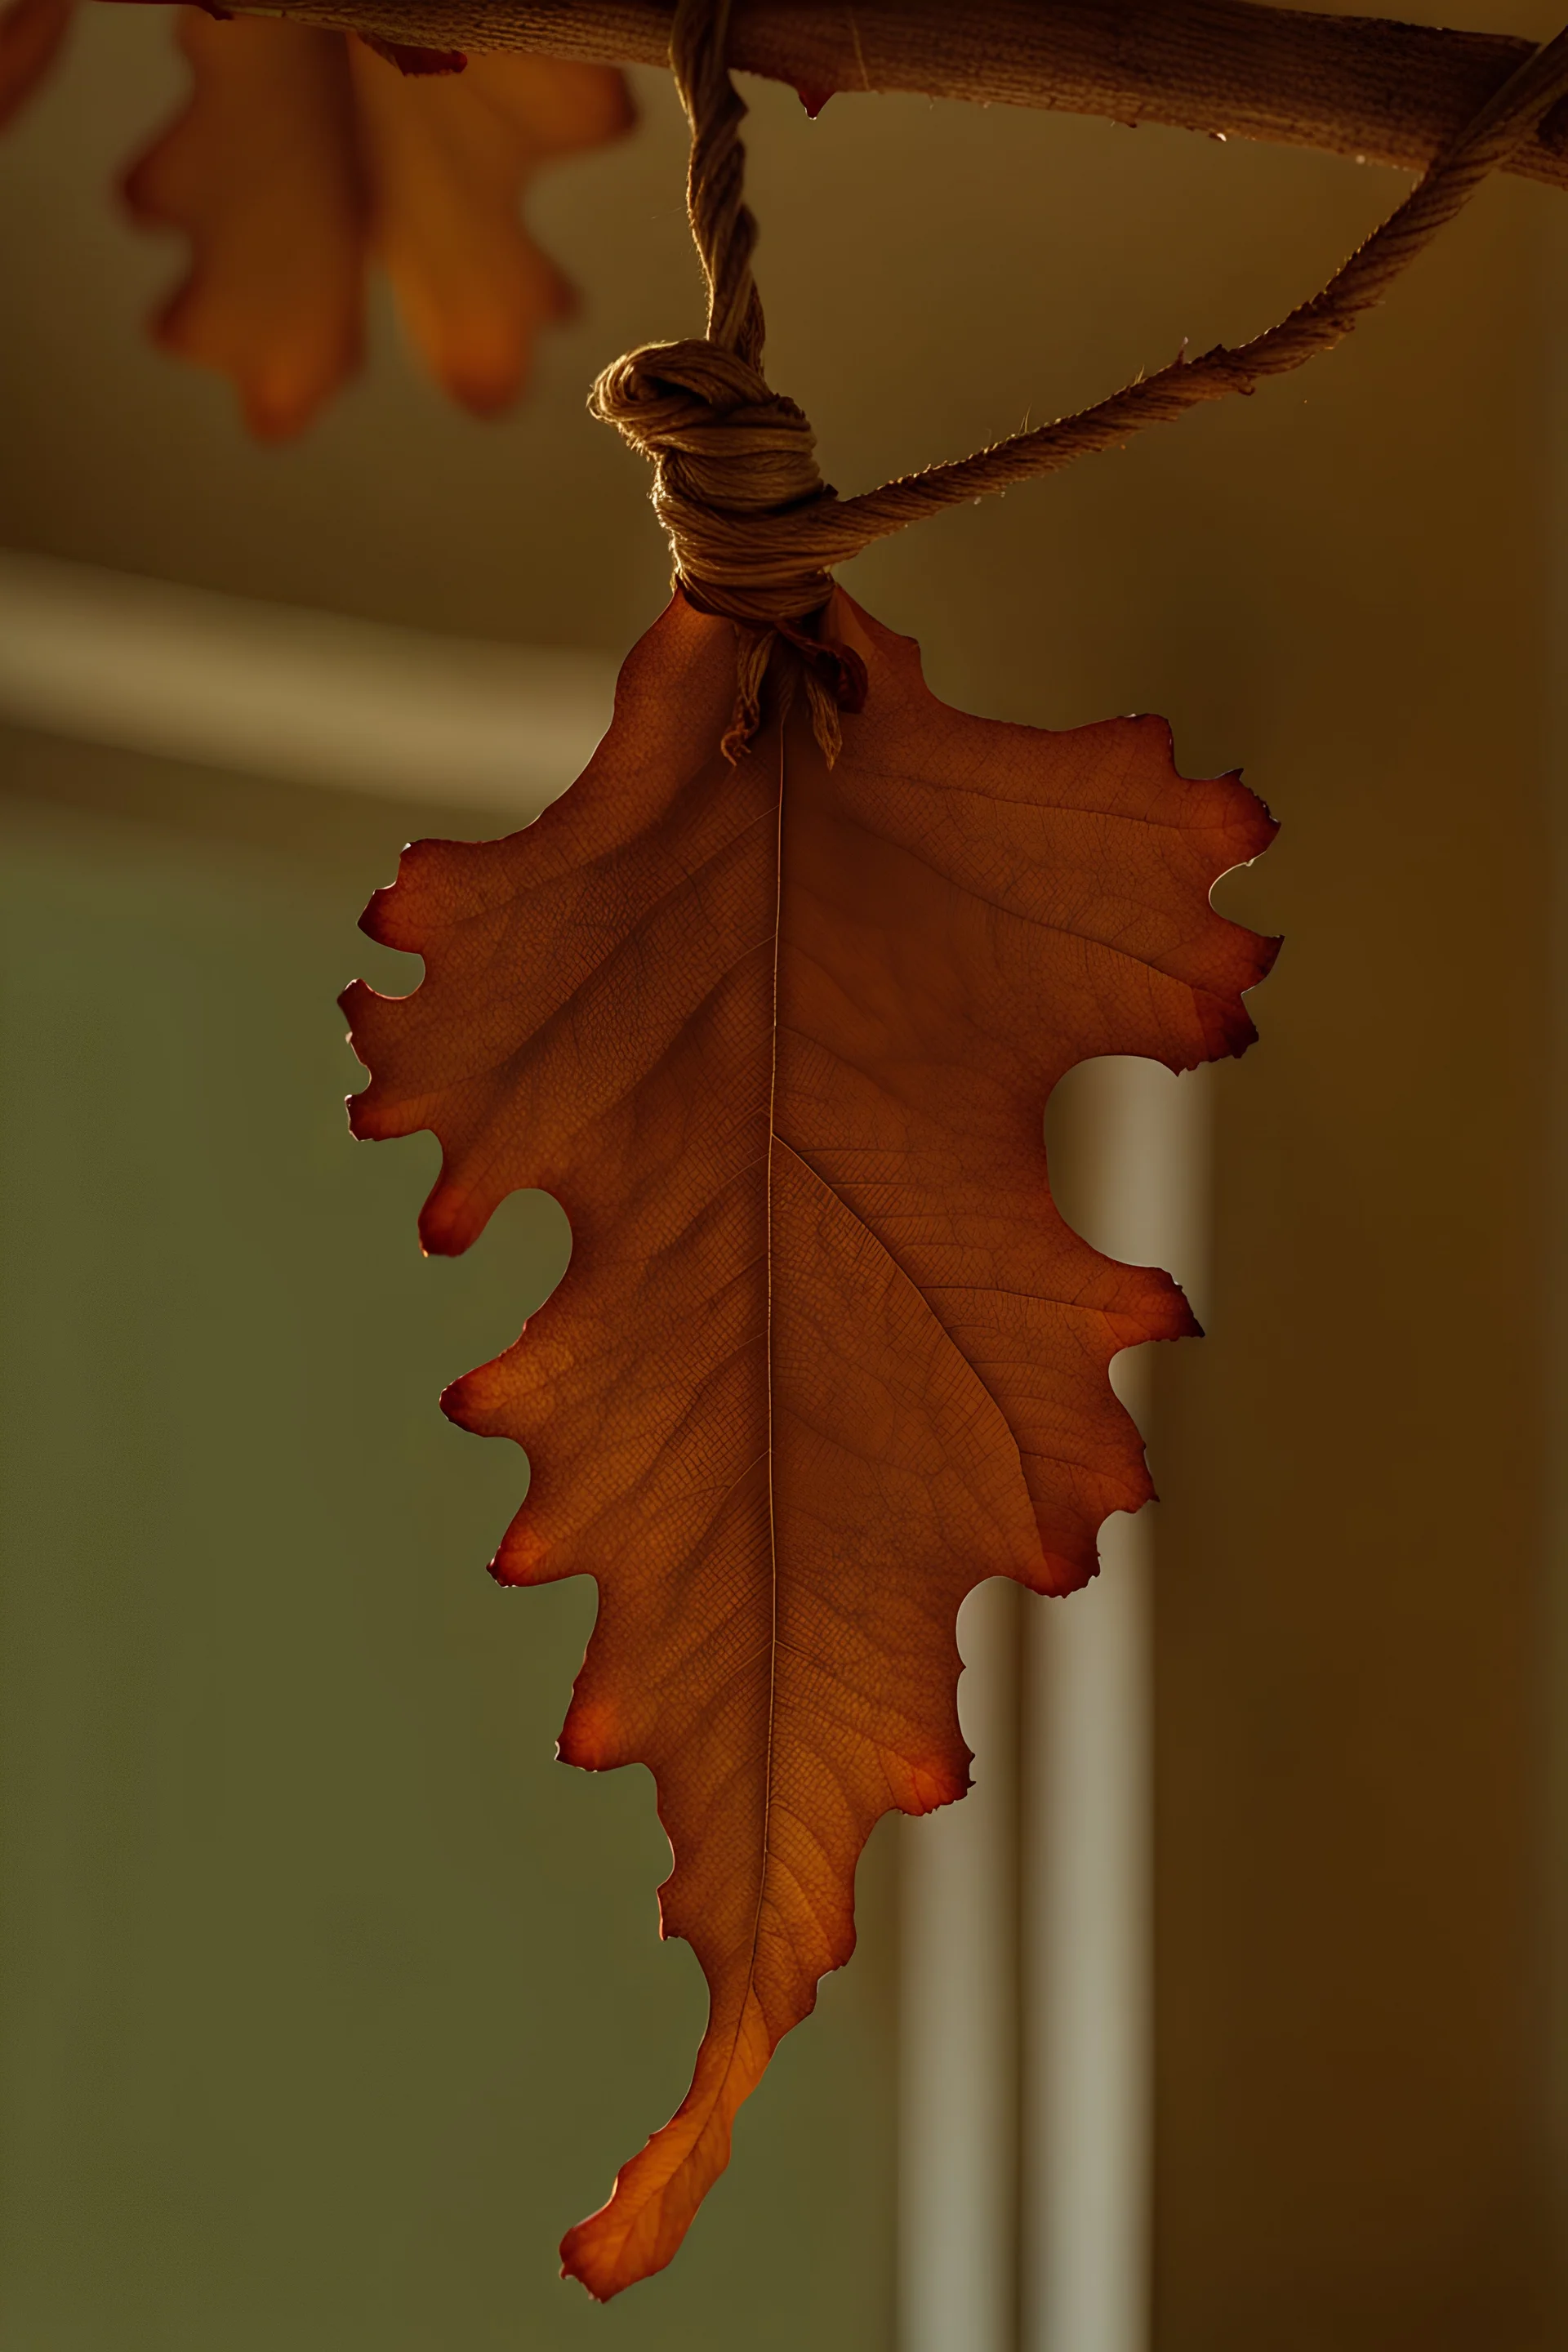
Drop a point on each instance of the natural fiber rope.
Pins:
(754, 528)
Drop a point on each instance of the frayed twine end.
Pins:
(834, 677)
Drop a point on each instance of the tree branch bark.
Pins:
(1368, 87)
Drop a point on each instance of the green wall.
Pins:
(329, 1998)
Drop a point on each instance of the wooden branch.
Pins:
(1368, 87)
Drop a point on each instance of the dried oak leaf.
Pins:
(303, 154)
(779, 1038)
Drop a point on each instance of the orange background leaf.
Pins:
(780, 1039)
(447, 161)
(31, 33)
(302, 152)
(261, 173)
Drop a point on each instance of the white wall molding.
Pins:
(274, 690)
(1025, 2127)
(958, 2019)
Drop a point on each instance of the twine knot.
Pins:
(735, 476)
(747, 514)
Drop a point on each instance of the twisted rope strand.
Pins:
(723, 227)
(754, 528)
(1314, 326)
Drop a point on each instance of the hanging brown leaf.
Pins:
(780, 1037)
(302, 152)
(31, 33)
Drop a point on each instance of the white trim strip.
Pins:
(1088, 1854)
(1085, 2237)
(958, 2042)
(1025, 2070)
(274, 690)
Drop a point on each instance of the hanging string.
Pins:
(754, 528)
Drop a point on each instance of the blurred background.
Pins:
(329, 1999)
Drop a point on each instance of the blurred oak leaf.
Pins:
(31, 33)
(303, 155)
(779, 1037)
